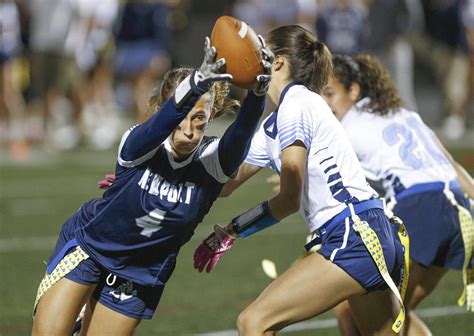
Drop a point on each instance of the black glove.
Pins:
(209, 73)
(263, 80)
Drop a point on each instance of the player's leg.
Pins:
(59, 306)
(373, 313)
(101, 320)
(421, 283)
(308, 288)
(345, 320)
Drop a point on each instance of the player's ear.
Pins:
(354, 91)
(278, 63)
(213, 113)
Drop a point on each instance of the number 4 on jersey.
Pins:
(151, 222)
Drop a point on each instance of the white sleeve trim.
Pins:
(210, 160)
(136, 162)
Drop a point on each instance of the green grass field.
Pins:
(35, 199)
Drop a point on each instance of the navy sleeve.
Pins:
(235, 143)
(145, 138)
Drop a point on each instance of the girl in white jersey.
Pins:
(321, 177)
(418, 176)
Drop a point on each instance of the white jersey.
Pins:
(398, 149)
(333, 175)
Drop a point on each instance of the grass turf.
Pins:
(36, 198)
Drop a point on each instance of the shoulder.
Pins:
(302, 101)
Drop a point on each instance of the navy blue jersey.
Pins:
(137, 227)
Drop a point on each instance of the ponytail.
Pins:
(309, 60)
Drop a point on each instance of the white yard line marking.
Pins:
(332, 322)
(17, 244)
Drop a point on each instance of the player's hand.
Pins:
(209, 72)
(263, 80)
(212, 248)
(105, 184)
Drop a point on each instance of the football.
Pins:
(238, 43)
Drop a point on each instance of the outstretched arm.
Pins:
(235, 143)
(246, 171)
(141, 142)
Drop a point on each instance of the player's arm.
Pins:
(263, 215)
(141, 142)
(246, 171)
(464, 178)
(235, 143)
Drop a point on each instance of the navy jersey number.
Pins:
(151, 222)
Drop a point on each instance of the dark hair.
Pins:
(309, 59)
(374, 81)
(166, 87)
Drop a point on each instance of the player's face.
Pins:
(339, 99)
(190, 131)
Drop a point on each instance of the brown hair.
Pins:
(309, 59)
(375, 82)
(165, 89)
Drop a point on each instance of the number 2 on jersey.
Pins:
(410, 151)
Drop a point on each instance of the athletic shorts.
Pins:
(433, 225)
(119, 294)
(343, 246)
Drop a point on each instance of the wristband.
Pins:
(253, 220)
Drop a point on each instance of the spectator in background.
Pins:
(94, 55)
(341, 25)
(142, 54)
(389, 24)
(468, 22)
(446, 48)
(54, 71)
(265, 15)
(12, 105)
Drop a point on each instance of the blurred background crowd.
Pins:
(78, 72)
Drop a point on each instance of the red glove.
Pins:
(105, 184)
(212, 248)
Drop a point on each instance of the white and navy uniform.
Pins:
(133, 233)
(333, 180)
(399, 151)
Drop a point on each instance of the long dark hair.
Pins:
(166, 87)
(374, 81)
(309, 59)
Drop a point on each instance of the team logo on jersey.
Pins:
(158, 186)
(124, 292)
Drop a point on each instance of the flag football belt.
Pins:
(467, 232)
(317, 234)
(372, 243)
(61, 265)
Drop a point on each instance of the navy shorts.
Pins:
(343, 246)
(121, 295)
(432, 223)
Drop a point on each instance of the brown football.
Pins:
(238, 43)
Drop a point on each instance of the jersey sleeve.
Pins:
(210, 160)
(295, 122)
(257, 154)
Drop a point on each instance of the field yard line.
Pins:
(332, 322)
(8, 245)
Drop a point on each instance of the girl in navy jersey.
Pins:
(321, 177)
(118, 251)
(420, 179)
